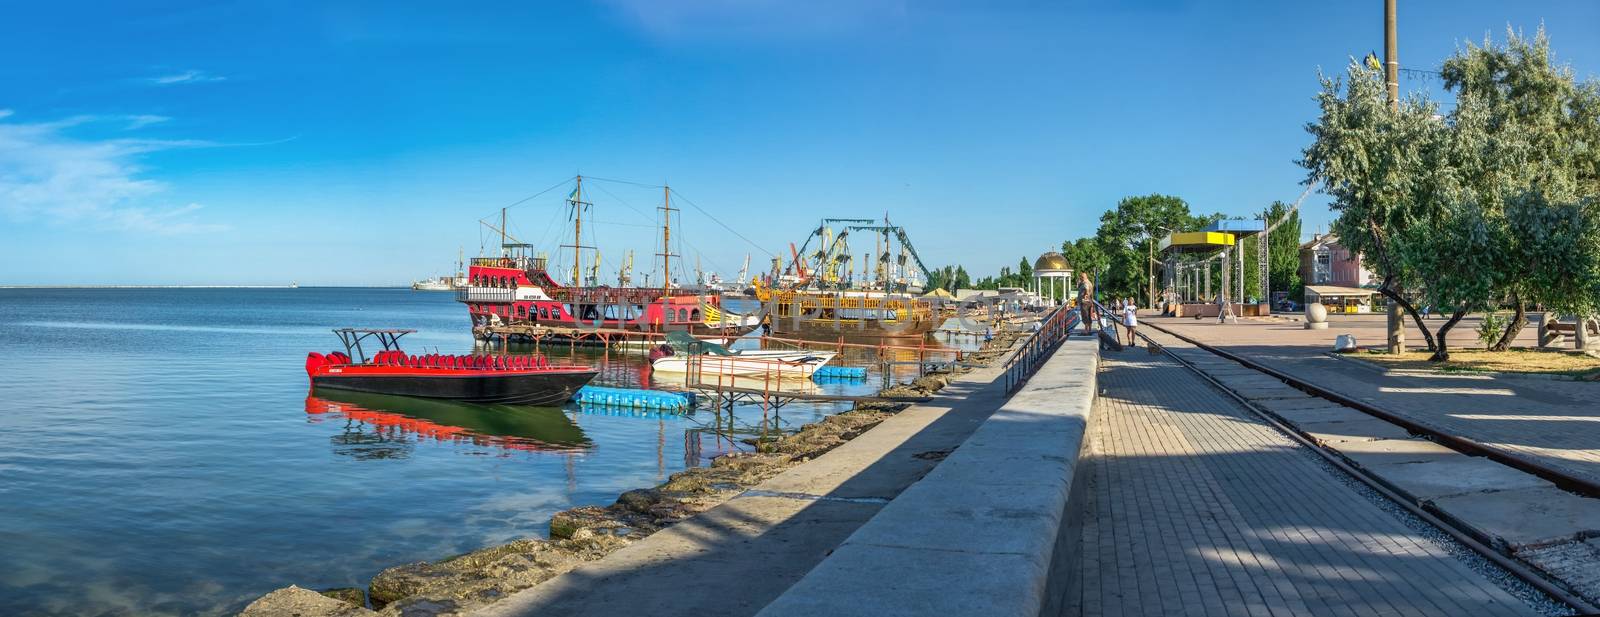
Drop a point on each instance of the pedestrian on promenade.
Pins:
(1130, 318)
(1086, 301)
(1222, 308)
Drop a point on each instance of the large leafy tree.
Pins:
(1128, 235)
(1530, 157)
(1369, 159)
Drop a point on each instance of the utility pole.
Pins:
(1391, 75)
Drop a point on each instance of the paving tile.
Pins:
(1396, 451)
(1333, 433)
(1524, 517)
(1330, 413)
(1456, 476)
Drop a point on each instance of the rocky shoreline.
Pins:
(460, 584)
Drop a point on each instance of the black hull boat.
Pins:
(519, 380)
(542, 388)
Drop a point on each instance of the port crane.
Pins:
(625, 273)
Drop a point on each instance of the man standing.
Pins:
(1130, 318)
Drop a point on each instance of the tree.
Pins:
(1128, 235)
(1529, 134)
(1085, 255)
(1368, 159)
(1494, 202)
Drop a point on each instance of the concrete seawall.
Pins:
(981, 534)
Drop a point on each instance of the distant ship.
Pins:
(444, 283)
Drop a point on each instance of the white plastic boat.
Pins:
(684, 355)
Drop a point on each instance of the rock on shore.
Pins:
(294, 601)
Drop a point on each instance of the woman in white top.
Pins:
(1130, 318)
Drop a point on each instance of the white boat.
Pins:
(683, 354)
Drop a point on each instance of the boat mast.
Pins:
(578, 204)
(502, 232)
(666, 239)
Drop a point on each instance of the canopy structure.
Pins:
(939, 292)
(1196, 242)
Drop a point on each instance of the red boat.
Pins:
(522, 380)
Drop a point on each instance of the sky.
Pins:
(339, 143)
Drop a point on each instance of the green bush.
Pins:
(1492, 327)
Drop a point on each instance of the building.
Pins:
(1323, 261)
(1333, 276)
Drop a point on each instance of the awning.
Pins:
(1336, 291)
(1196, 242)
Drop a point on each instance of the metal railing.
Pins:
(1035, 349)
(1053, 329)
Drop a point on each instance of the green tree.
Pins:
(1128, 236)
(1369, 159)
(1085, 255)
(1528, 133)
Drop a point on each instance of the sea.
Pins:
(162, 451)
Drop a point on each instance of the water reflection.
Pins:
(381, 426)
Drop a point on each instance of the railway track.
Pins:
(1465, 537)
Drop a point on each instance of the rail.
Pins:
(1038, 346)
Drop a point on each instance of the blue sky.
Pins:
(360, 143)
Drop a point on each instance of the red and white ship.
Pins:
(514, 294)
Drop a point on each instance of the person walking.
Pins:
(1086, 302)
(1222, 308)
(1130, 318)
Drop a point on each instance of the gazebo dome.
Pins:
(1051, 261)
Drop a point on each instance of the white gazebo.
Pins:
(1052, 273)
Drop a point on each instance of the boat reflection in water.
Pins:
(385, 426)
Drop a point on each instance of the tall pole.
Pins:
(1150, 268)
(666, 239)
(1391, 74)
(577, 235)
(502, 232)
(1391, 54)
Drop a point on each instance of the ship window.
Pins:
(544, 312)
(683, 315)
(694, 315)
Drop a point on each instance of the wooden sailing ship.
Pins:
(514, 296)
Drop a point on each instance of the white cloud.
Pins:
(142, 120)
(47, 174)
(186, 77)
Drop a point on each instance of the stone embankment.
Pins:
(460, 584)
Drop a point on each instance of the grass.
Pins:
(1478, 360)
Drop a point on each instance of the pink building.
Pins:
(1323, 261)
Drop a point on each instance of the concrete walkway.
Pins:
(738, 557)
(1195, 507)
(1556, 423)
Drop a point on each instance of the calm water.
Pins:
(160, 452)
